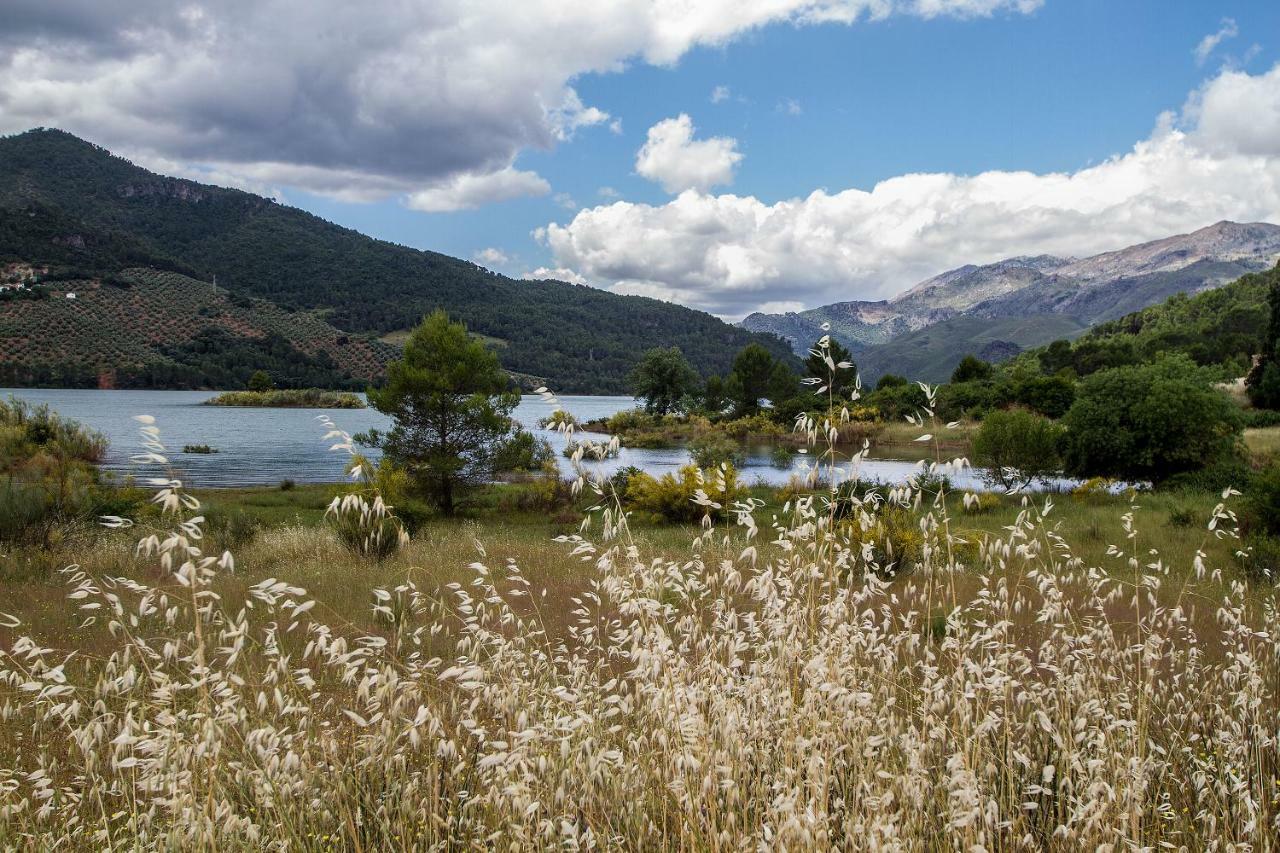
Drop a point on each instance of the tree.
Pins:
(451, 404)
(971, 369)
(784, 384)
(748, 382)
(260, 381)
(1056, 356)
(842, 382)
(1018, 447)
(1149, 422)
(1263, 381)
(1048, 395)
(714, 396)
(662, 379)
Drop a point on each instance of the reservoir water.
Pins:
(261, 446)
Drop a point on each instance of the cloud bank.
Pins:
(363, 100)
(1218, 158)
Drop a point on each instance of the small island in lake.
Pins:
(289, 398)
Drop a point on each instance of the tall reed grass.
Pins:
(795, 694)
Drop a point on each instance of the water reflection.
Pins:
(265, 446)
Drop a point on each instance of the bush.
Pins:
(1094, 491)
(230, 529)
(1262, 501)
(670, 499)
(751, 425)
(1260, 418)
(523, 452)
(591, 449)
(1149, 422)
(782, 456)
(558, 419)
(714, 448)
(892, 539)
(50, 474)
(1018, 447)
(1231, 470)
(980, 503)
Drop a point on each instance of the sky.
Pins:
(729, 155)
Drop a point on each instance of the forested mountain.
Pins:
(73, 207)
(1224, 328)
(1026, 301)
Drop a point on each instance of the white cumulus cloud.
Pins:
(673, 158)
(468, 190)
(491, 257)
(1218, 159)
(555, 273)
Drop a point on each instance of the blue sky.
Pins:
(1067, 86)
(1068, 126)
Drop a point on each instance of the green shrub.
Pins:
(782, 456)
(1262, 501)
(1149, 422)
(671, 499)
(892, 539)
(981, 503)
(1018, 447)
(1261, 560)
(523, 452)
(751, 425)
(591, 449)
(230, 529)
(1260, 418)
(1231, 470)
(48, 473)
(714, 448)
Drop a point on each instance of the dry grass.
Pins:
(1263, 444)
(758, 686)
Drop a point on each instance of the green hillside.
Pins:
(930, 354)
(144, 328)
(64, 201)
(1221, 327)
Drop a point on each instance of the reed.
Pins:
(782, 683)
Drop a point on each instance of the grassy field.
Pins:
(281, 533)
(1036, 678)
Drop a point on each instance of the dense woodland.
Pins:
(66, 202)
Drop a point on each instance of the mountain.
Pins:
(1069, 294)
(77, 210)
(931, 353)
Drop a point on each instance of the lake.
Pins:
(264, 446)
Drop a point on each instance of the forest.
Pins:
(70, 204)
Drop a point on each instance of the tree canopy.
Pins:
(664, 380)
(451, 404)
(1149, 422)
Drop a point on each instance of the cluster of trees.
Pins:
(1134, 399)
(758, 382)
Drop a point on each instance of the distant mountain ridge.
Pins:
(76, 209)
(1082, 291)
